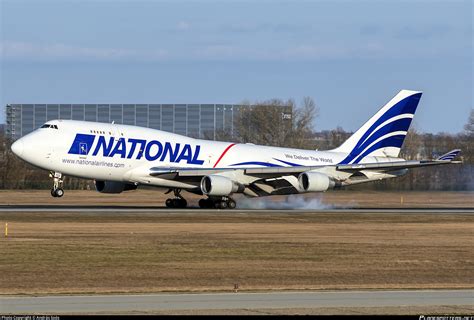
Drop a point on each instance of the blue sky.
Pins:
(349, 56)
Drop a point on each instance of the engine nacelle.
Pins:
(315, 182)
(215, 185)
(113, 186)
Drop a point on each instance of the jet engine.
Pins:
(113, 186)
(315, 182)
(215, 185)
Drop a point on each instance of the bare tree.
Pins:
(303, 124)
(219, 135)
(466, 140)
(469, 127)
(411, 145)
(277, 123)
(336, 137)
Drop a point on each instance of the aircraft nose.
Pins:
(17, 147)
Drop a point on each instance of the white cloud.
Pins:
(26, 50)
(208, 52)
(290, 53)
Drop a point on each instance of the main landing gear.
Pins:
(217, 203)
(57, 190)
(209, 203)
(178, 201)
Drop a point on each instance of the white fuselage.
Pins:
(114, 152)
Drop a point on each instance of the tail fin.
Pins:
(450, 155)
(384, 133)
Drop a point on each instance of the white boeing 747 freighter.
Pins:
(122, 157)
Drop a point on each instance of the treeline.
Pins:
(291, 125)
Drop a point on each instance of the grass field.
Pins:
(212, 251)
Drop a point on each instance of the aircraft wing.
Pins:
(274, 172)
(271, 180)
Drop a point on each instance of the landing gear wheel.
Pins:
(179, 203)
(53, 193)
(217, 203)
(175, 203)
(59, 192)
(231, 204)
(221, 205)
(204, 203)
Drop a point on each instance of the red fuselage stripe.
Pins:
(223, 153)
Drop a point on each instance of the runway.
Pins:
(158, 210)
(228, 301)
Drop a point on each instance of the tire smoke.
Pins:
(290, 202)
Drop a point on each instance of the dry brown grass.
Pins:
(202, 251)
(401, 310)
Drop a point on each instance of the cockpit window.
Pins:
(51, 126)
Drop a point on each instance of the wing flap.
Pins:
(269, 172)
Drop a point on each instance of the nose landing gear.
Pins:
(57, 190)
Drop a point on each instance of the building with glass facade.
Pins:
(194, 120)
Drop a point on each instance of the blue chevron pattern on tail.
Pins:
(388, 130)
(450, 155)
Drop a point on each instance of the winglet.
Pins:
(450, 155)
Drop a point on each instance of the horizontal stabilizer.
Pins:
(390, 166)
(450, 155)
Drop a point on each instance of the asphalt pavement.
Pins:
(227, 301)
